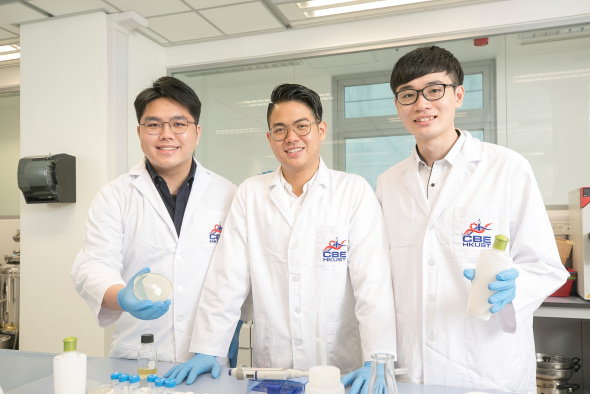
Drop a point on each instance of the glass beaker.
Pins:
(382, 374)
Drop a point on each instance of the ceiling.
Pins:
(176, 22)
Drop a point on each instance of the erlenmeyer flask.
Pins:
(382, 374)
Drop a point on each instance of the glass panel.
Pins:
(9, 153)
(473, 84)
(369, 157)
(368, 100)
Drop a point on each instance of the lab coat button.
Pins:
(180, 319)
(297, 310)
(180, 289)
(178, 257)
(295, 278)
(431, 336)
(431, 262)
(431, 298)
(297, 343)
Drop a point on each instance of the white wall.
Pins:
(66, 94)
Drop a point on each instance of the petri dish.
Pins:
(152, 286)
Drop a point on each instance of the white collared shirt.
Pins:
(295, 202)
(434, 178)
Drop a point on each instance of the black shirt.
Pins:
(176, 205)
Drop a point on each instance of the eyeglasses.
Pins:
(430, 93)
(177, 124)
(301, 128)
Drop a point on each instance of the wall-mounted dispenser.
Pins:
(45, 179)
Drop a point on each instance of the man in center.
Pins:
(310, 245)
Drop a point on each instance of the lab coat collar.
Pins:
(322, 176)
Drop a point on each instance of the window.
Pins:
(372, 136)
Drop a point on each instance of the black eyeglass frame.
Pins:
(292, 127)
(424, 94)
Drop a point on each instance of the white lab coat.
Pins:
(297, 295)
(129, 228)
(437, 341)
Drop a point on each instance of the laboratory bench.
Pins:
(24, 372)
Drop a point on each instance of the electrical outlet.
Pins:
(560, 228)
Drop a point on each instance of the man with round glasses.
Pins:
(309, 245)
(165, 216)
(442, 206)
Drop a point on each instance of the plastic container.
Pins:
(69, 369)
(115, 380)
(256, 386)
(151, 383)
(159, 385)
(324, 379)
(134, 387)
(490, 262)
(170, 385)
(123, 386)
(147, 357)
(152, 286)
(565, 290)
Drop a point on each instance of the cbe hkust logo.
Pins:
(474, 238)
(333, 253)
(215, 233)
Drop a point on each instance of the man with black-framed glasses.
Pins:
(442, 206)
(309, 244)
(165, 215)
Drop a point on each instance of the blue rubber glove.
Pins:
(233, 347)
(505, 287)
(192, 368)
(360, 380)
(141, 309)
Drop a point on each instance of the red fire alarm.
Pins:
(480, 42)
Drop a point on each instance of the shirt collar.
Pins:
(153, 174)
(289, 188)
(450, 157)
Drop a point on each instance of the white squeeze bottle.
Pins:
(69, 369)
(490, 263)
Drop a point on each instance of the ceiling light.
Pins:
(315, 12)
(9, 56)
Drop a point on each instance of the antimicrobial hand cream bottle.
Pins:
(490, 263)
(69, 369)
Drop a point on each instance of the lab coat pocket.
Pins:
(261, 344)
(492, 354)
(212, 226)
(474, 229)
(331, 246)
(344, 344)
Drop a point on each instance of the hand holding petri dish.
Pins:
(152, 286)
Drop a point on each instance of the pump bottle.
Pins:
(490, 263)
(69, 369)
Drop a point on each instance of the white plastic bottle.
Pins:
(69, 369)
(490, 262)
(324, 379)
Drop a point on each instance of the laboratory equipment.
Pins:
(579, 217)
(243, 372)
(152, 286)
(489, 264)
(151, 383)
(69, 369)
(170, 385)
(324, 379)
(159, 385)
(147, 357)
(123, 386)
(382, 374)
(275, 386)
(134, 387)
(10, 297)
(115, 380)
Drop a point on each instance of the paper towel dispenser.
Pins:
(47, 178)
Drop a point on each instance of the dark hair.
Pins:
(424, 61)
(293, 92)
(172, 88)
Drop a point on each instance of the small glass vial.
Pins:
(159, 385)
(134, 387)
(170, 385)
(147, 357)
(151, 383)
(123, 386)
(115, 380)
